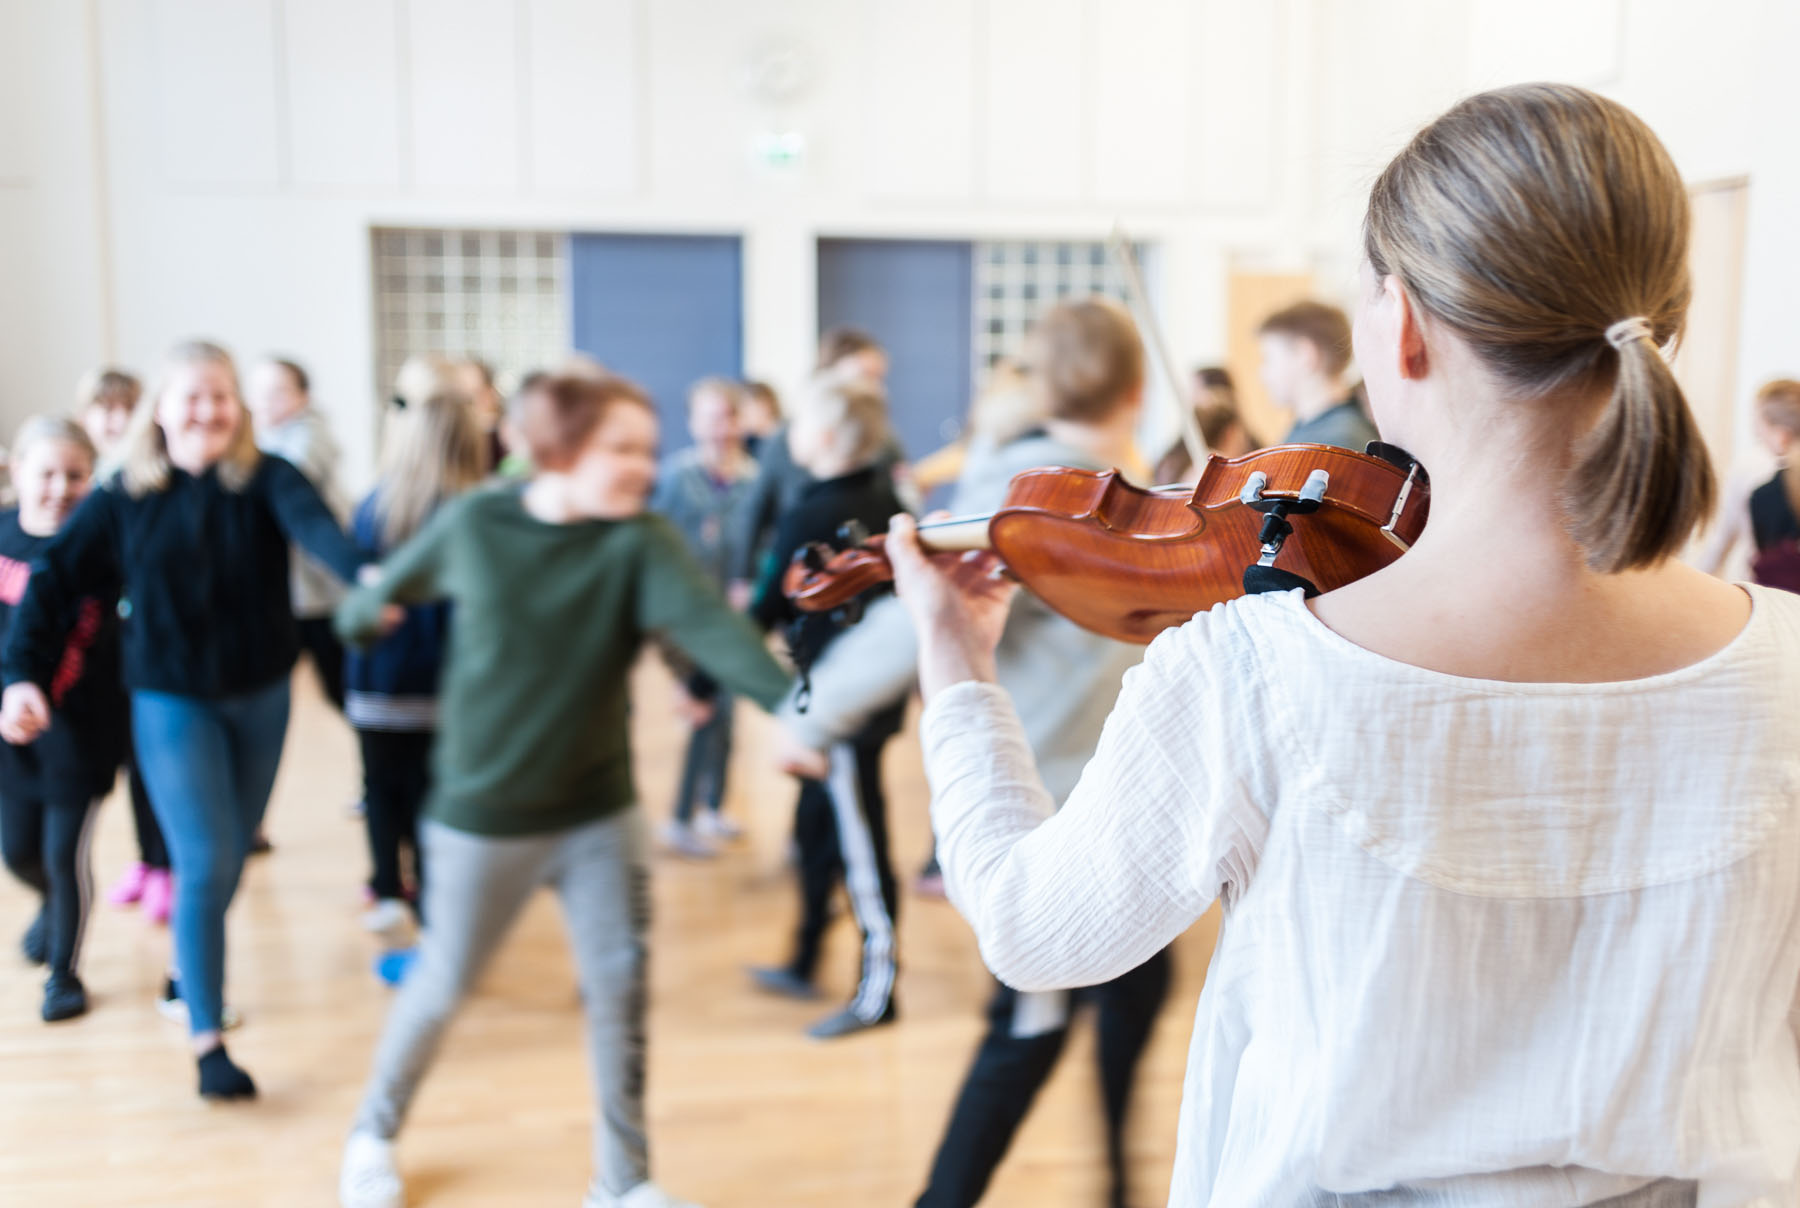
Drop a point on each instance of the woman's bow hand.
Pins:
(958, 603)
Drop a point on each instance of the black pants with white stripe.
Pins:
(45, 845)
(1025, 1037)
(841, 827)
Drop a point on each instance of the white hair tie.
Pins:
(1627, 330)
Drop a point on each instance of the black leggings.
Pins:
(1010, 1068)
(46, 847)
(396, 780)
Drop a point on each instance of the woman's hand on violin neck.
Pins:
(958, 603)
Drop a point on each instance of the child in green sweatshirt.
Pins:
(556, 583)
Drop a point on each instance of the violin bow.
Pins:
(1119, 244)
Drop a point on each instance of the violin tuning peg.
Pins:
(853, 534)
(813, 558)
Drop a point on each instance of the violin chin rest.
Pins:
(1258, 579)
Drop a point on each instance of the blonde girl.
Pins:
(434, 452)
(195, 528)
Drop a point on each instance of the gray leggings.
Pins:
(478, 885)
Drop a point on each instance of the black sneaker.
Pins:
(847, 1023)
(783, 982)
(36, 942)
(221, 1078)
(64, 998)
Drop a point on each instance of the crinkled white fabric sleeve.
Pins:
(1145, 843)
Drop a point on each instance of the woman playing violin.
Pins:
(1507, 834)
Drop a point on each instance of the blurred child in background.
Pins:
(838, 432)
(1221, 426)
(557, 583)
(432, 452)
(1005, 409)
(759, 415)
(847, 352)
(279, 395)
(1305, 351)
(1769, 514)
(48, 789)
(103, 403)
(700, 490)
(473, 378)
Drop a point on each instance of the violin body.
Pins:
(1129, 563)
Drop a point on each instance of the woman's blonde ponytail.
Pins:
(1642, 480)
(1531, 220)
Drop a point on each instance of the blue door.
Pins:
(662, 310)
(916, 296)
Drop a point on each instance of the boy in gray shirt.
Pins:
(1087, 361)
(702, 490)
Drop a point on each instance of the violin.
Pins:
(1129, 563)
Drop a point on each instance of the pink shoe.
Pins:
(130, 886)
(159, 895)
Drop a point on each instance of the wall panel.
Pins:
(920, 144)
(463, 64)
(342, 66)
(585, 81)
(216, 72)
(1035, 87)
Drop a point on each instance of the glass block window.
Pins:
(497, 295)
(1015, 282)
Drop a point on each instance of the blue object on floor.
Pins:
(392, 967)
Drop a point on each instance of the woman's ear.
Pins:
(1412, 360)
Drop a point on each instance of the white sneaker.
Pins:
(644, 1195)
(391, 919)
(172, 1007)
(368, 1178)
(712, 825)
(681, 839)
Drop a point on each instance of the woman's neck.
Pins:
(1497, 587)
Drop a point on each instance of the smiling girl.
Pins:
(48, 789)
(195, 528)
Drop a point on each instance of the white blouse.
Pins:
(1495, 943)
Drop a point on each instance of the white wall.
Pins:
(176, 167)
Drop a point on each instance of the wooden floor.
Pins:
(744, 1110)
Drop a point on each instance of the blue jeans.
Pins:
(209, 765)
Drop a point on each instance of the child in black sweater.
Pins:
(48, 789)
(839, 429)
